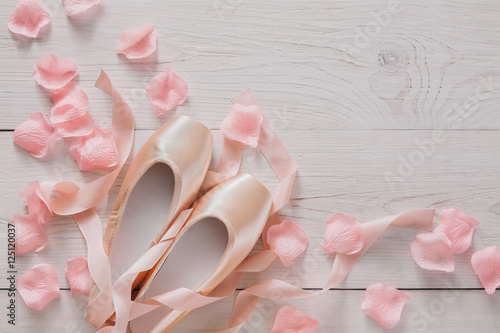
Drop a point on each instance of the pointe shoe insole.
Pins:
(144, 215)
(192, 259)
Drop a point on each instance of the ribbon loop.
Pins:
(80, 202)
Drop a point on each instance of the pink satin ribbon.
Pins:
(285, 169)
(122, 288)
(229, 164)
(79, 203)
(185, 300)
(248, 299)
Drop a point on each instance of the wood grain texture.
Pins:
(326, 64)
(357, 90)
(336, 310)
(347, 173)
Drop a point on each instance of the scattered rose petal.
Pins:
(384, 304)
(290, 320)
(96, 150)
(78, 275)
(38, 286)
(35, 201)
(80, 126)
(30, 236)
(76, 7)
(458, 226)
(287, 240)
(54, 73)
(343, 234)
(33, 135)
(432, 251)
(138, 44)
(486, 265)
(28, 18)
(70, 94)
(69, 113)
(243, 124)
(166, 91)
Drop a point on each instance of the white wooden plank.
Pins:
(315, 67)
(312, 64)
(338, 171)
(336, 311)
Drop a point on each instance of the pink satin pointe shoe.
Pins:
(221, 231)
(164, 179)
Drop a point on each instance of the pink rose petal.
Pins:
(287, 240)
(458, 226)
(54, 73)
(78, 275)
(36, 202)
(290, 320)
(70, 94)
(38, 286)
(243, 124)
(343, 235)
(486, 265)
(69, 113)
(432, 251)
(76, 127)
(34, 135)
(384, 304)
(96, 150)
(166, 91)
(76, 7)
(28, 18)
(30, 236)
(138, 44)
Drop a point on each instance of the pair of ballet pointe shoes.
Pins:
(163, 180)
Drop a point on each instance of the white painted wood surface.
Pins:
(354, 88)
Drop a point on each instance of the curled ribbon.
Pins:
(285, 169)
(183, 299)
(80, 202)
